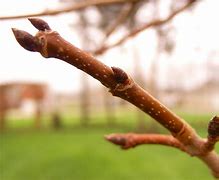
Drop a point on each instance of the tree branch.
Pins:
(132, 140)
(154, 23)
(75, 7)
(122, 16)
(50, 44)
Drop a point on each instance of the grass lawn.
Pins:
(82, 154)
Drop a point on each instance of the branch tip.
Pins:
(117, 139)
(39, 24)
(26, 40)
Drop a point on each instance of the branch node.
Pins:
(119, 75)
(123, 81)
(213, 135)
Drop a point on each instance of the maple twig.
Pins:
(153, 23)
(131, 140)
(74, 7)
(51, 45)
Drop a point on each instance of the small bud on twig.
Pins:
(213, 127)
(115, 139)
(213, 135)
(39, 24)
(26, 40)
(119, 75)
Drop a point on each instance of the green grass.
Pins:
(83, 154)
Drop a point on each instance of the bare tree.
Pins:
(117, 13)
(50, 44)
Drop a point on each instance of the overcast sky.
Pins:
(197, 36)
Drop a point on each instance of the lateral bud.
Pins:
(39, 24)
(213, 127)
(119, 75)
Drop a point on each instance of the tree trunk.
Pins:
(109, 110)
(2, 108)
(38, 115)
(85, 114)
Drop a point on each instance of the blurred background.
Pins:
(53, 117)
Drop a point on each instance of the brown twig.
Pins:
(50, 44)
(132, 140)
(74, 7)
(154, 23)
